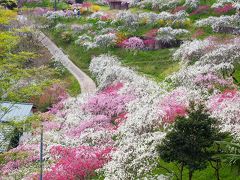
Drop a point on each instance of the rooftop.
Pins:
(14, 111)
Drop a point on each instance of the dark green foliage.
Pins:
(79, 1)
(230, 154)
(15, 138)
(190, 140)
(10, 4)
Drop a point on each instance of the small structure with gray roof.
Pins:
(10, 111)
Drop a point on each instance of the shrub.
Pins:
(76, 162)
(225, 9)
(10, 4)
(201, 10)
(66, 36)
(133, 43)
(106, 40)
(50, 96)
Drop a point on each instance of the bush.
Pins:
(62, 5)
(66, 36)
(58, 66)
(10, 4)
(50, 96)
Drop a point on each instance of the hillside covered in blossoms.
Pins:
(167, 99)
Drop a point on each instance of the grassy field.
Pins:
(226, 173)
(155, 63)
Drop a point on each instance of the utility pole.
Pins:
(41, 153)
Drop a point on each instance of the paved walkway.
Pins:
(86, 83)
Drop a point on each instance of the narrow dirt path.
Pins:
(86, 83)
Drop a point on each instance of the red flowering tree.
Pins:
(76, 162)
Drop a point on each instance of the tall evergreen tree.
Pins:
(189, 142)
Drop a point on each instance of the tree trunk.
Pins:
(181, 171)
(238, 170)
(190, 174)
(217, 170)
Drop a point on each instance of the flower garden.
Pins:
(167, 104)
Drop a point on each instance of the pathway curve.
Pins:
(86, 83)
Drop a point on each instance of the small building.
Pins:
(11, 112)
(118, 4)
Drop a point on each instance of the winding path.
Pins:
(86, 83)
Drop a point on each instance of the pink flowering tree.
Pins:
(76, 162)
(225, 107)
(21, 156)
(173, 105)
(133, 43)
(108, 102)
(225, 9)
(97, 123)
(211, 81)
(200, 10)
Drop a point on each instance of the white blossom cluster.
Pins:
(220, 22)
(60, 26)
(192, 3)
(210, 50)
(96, 15)
(191, 51)
(83, 38)
(168, 34)
(107, 30)
(104, 40)
(82, 27)
(206, 56)
(57, 14)
(221, 3)
(152, 17)
(161, 4)
(101, 2)
(130, 19)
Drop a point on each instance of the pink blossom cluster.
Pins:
(212, 81)
(149, 42)
(56, 107)
(218, 102)
(23, 155)
(76, 162)
(178, 9)
(105, 17)
(198, 33)
(99, 122)
(200, 10)
(225, 9)
(173, 105)
(50, 125)
(39, 11)
(152, 33)
(225, 107)
(108, 102)
(133, 43)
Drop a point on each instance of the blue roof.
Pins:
(14, 111)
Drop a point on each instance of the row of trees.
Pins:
(195, 141)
